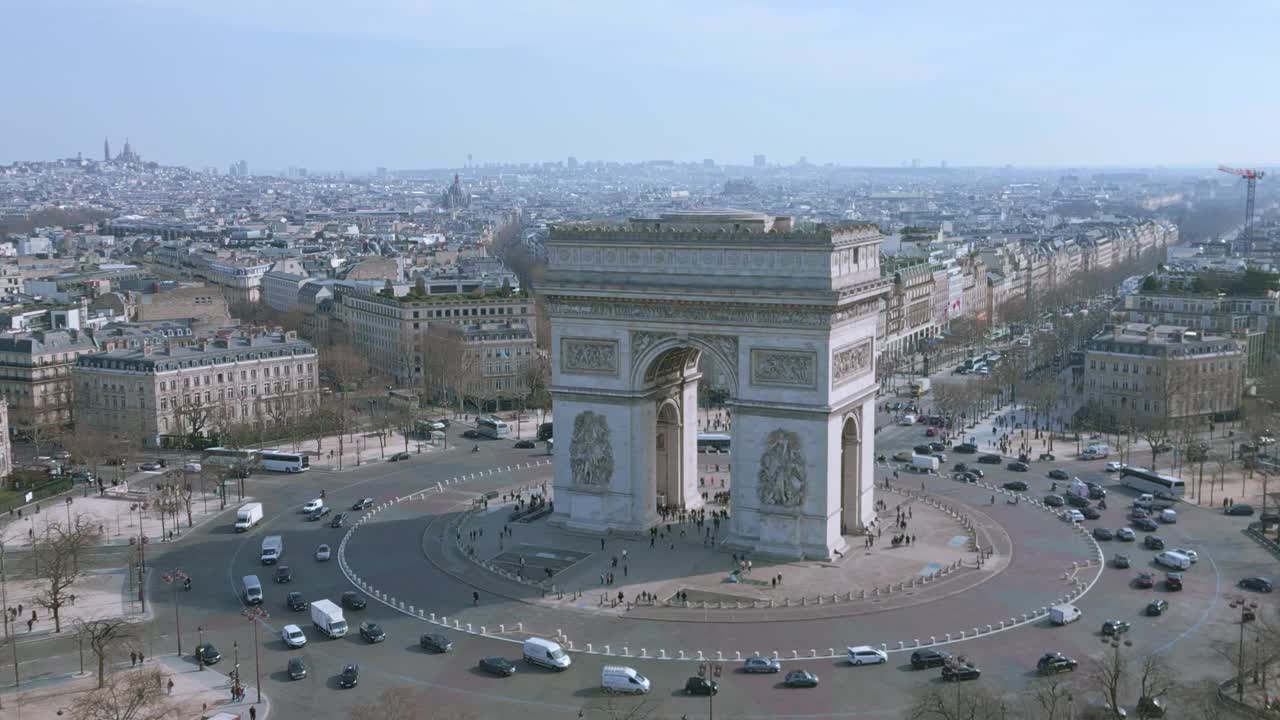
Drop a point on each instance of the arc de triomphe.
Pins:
(787, 314)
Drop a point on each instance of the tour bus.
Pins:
(278, 461)
(492, 427)
(1145, 481)
(713, 442)
(226, 457)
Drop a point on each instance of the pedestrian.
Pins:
(133, 659)
(602, 579)
(624, 571)
(475, 597)
(909, 513)
(253, 712)
(170, 686)
(913, 539)
(774, 583)
(30, 623)
(141, 659)
(601, 543)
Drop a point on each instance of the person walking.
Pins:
(170, 686)
(253, 712)
(133, 659)
(475, 597)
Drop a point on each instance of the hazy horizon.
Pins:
(414, 85)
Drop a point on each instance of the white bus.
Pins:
(492, 427)
(1145, 481)
(713, 442)
(278, 461)
(226, 457)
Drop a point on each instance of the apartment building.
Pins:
(499, 353)
(1141, 374)
(906, 317)
(1253, 320)
(35, 377)
(157, 393)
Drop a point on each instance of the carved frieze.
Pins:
(726, 345)
(788, 368)
(781, 480)
(641, 341)
(717, 313)
(851, 362)
(591, 451)
(594, 357)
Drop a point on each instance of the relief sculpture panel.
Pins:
(851, 362)
(597, 357)
(591, 451)
(781, 480)
(790, 368)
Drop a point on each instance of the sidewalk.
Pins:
(118, 514)
(100, 595)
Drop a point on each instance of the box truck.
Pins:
(272, 549)
(247, 516)
(924, 463)
(327, 617)
(1063, 614)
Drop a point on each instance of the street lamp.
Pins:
(1247, 610)
(255, 615)
(712, 672)
(172, 579)
(199, 652)
(67, 504)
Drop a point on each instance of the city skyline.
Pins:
(402, 86)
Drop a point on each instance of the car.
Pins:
(1090, 513)
(297, 668)
(293, 636)
(1145, 581)
(1096, 491)
(398, 457)
(207, 654)
(1052, 663)
(761, 664)
(902, 456)
(1157, 607)
(1153, 542)
(1057, 474)
(1073, 516)
(1192, 555)
(152, 465)
(1138, 513)
(866, 655)
(349, 677)
(1016, 485)
(435, 642)
(1054, 500)
(931, 432)
(958, 672)
(499, 666)
(1101, 533)
(701, 686)
(338, 520)
(800, 678)
(295, 602)
(1114, 466)
(960, 467)
(1145, 525)
(976, 471)
(990, 459)
(1257, 584)
(359, 505)
(1018, 466)
(1173, 581)
(1076, 501)
(1120, 561)
(440, 424)
(191, 467)
(921, 659)
(1126, 535)
(312, 505)
(317, 514)
(352, 600)
(472, 435)
(1150, 707)
(966, 448)
(937, 447)
(964, 477)
(323, 553)
(1241, 510)
(283, 574)
(372, 632)
(524, 445)
(1112, 628)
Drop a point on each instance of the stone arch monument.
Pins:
(789, 316)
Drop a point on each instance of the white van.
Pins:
(907, 420)
(546, 653)
(1168, 516)
(1175, 560)
(623, 679)
(252, 590)
(1063, 614)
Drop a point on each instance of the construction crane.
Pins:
(1251, 177)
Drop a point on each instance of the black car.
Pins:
(937, 446)
(1145, 525)
(297, 668)
(1120, 561)
(965, 477)
(1057, 474)
(1244, 510)
(1115, 627)
(1054, 663)
(921, 659)
(497, 666)
(1257, 584)
(1173, 581)
(801, 678)
(1016, 485)
(319, 512)
(1096, 492)
(922, 449)
(472, 435)
(1144, 581)
(1101, 533)
(283, 574)
(350, 676)
(1090, 513)
(208, 654)
(338, 520)
(295, 601)
(1076, 501)
(362, 504)
(352, 600)
(1153, 542)
(398, 457)
(701, 686)
(966, 448)
(524, 445)
(435, 642)
(960, 467)
(990, 459)
(372, 632)
(1018, 466)
(1054, 500)
(1157, 607)
(957, 672)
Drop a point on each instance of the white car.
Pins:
(322, 553)
(191, 467)
(1189, 553)
(866, 655)
(312, 505)
(1074, 516)
(1114, 466)
(293, 636)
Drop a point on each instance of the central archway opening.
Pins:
(850, 477)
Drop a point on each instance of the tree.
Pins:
(91, 447)
(126, 695)
(1201, 701)
(403, 703)
(1110, 675)
(446, 364)
(1156, 435)
(1053, 699)
(537, 382)
(961, 703)
(102, 636)
(58, 555)
(1155, 680)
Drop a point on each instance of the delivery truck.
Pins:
(272, 549)
(924, 463)
(327, 617)
(247, 516)
(1063, 614)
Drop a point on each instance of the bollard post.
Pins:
(901, 644)
(662, 653)
(948, 636)
(468, 627)
(775, 654)
(644, 653)
(916, 642)
(502, 629)
(520, 626)
(737, 654)
(607, 650)
(626, 651)
(961, 634)
(700, 655)
(795, 654)
(589, 648)
(681, 654)
(933, 640)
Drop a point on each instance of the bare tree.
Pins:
(1110, 676)
(1156, 435)
(958, 703)
(1155, 680)
(403, 703)
(537, 383)
(1201, 701)
(90, 447)
(58, 555)
(102, 636)
(126, 695)
(1053, 699)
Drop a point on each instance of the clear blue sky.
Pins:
(327, 84)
